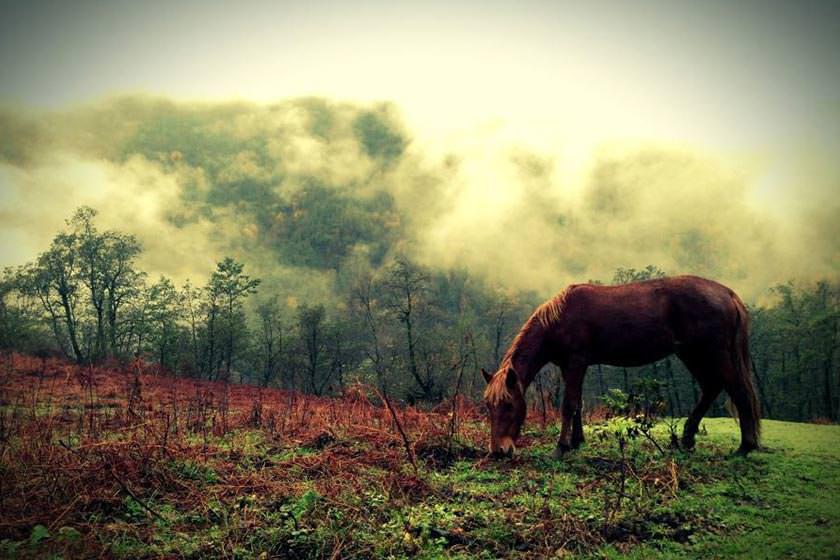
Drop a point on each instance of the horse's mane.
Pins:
(545, 315)
(549, 312)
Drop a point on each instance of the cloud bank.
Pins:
(306, 188)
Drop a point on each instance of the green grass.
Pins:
(792, 509)
(781, 503)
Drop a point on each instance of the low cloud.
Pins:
(301, 189)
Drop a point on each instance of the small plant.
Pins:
(642, 408)
(631, 417)
(192, 470)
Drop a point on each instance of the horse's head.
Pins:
(505, 401)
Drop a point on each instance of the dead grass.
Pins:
(77, 442)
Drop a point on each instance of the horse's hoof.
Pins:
(745, 450)
(560, 450)
(498, 456)
(674, 443)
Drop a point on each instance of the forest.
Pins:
(416, 333)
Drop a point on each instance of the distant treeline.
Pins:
(417, 334)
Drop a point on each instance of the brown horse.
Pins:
(704, 323)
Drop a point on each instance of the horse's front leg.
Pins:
(577, 428)
(571, 432)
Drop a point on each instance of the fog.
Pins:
(304, 189)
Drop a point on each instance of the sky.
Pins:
(677, 70)
(752, 88)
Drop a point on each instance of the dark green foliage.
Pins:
(320, 226)
(795, 346)
(378, 136)
(193, 137)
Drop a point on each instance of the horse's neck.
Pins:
(529, 357)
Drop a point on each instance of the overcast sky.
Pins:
(725, 73)
(753, 85)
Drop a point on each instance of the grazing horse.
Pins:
(704, 323)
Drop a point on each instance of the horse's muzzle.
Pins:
(502, 454)
(504, 449)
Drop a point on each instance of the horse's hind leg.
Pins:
(711, 385)
(749, 428)
(708, 396)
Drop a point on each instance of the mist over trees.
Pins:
(412, 331)
(347, 250)
(310, 191)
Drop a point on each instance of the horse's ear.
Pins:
(487, 376)
(512, 380)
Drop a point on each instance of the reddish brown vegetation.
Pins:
(79, 441)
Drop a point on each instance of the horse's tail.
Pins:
(741, 357)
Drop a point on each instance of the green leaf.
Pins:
(69, 534)
(39, 533)
(304, 503)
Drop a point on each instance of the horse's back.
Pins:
(644, 321)
(689, 293)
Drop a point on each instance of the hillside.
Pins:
(127, 463)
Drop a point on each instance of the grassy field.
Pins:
(103, 462)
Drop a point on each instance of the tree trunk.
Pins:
(412, 355)
(211, 344)
(229, 349)
(70, 321)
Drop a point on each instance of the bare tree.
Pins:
(269, 340)
(311, 330)
(363, 296)
(406, 285)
